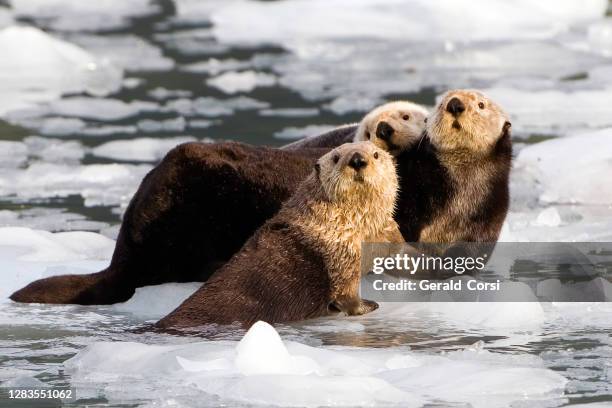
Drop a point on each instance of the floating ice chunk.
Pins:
(29, 254)
(214, 66)
(201, 123)
(290, 112)
(6, 17)
(207, 106)
(61, 126)
(290, 23)
(495, 315)
(49, 219)
(100, 108)
(292, 133)
(191, 11)
(98, 184)
(160, 93)
(580, 223)
(109, 130)
(549, 218)
(588, 155)
(168, 125)
(261, 351)
(192, 42)
(154, 302)
(314, 391)
(141, 149)
(345, 376)
(599, 36)
(353, 103)
(76, 15)
(12, 154)
(129, 52)
(547, 110)
(485, 386)
(234, 82)
(36, 67)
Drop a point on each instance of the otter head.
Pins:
(467, 119)
(360, 172)
(393, 126)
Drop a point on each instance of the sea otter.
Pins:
(304, 262)
(393, 126)
(203, 201)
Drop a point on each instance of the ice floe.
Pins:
(292, 133)
(67, 68)
(129, 52)
(29, 254)
(570, 170)
(263, 369)
(246, 81)
(141, 149)
(306, 20)
(76, 15)
(555, 111)
(210, 107)
(98, 184)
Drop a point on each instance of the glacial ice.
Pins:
(246, 81)
(418, 20)
(77, 15)
(560, 167)
(547, 111)
(294, 133)
(98, 184)
(264, 369)
(140, 149)
(29, 254)
(129, 52)
(68, 68)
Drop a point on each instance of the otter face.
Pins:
(467, 119)
(393, 126)
(357, 170)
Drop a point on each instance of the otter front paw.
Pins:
(355, 307)
(365, 306)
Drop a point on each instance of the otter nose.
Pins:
(384, 131)
(455, 107)
(357, 161)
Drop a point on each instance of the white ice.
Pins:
(29, 254)
(246, 81)
(310, 20)
(294, 133)
(129, 52)
(67, 68)
(77, 15)
(98, 184)
(549, 111)
(265, 370)
(140, 149)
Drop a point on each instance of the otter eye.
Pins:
(405, 117)
(336, 158)
(376, 155)
(425, 120)
(481, 105)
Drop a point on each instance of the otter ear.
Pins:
(506, 129)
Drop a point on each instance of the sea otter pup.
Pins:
(304, 261)
(203, 201)
(394, 126)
